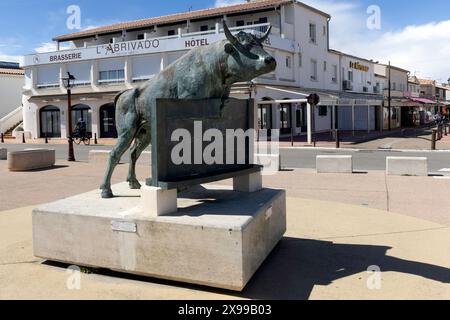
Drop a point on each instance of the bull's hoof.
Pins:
(107, 194)
(135, 185)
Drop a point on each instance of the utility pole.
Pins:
(389, 96)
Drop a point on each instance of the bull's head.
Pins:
(247, 57)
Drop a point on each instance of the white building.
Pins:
(11, 86)
(109, 59)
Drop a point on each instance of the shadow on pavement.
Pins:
(297, 265)
(55, 167)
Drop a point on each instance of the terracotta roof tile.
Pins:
(19, 72)
(144, 23)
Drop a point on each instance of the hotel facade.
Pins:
(110, 59)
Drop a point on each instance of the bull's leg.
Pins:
(142, 141)
(124, 142)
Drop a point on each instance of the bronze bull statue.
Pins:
(204, 72)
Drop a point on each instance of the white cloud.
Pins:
(419, 48)
(8, 48)
(9, 58)
(224, 3)
(49, 47)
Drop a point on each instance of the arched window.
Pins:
(285, 117)
(82, 112)
(50, 122)
(265, 115)
(108, 121)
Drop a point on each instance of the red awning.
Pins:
(423, 100)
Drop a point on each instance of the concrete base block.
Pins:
(213, 243)
(99, 156)
(407, 166)
(158, 202)
(3, 154)
(248, 183)
(31, 159)
(270, 162)
(334, 164)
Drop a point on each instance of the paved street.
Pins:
(291, 158)
(363, 159)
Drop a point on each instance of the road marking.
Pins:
(442, 178)
(445, 170)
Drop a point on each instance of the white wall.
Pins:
(361, 78)
(10, 93)
(314, 51)
(399, 79)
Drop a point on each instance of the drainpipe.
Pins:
(328, 33)
(281, 22)
(389, 97)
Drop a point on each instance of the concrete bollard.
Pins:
(407, 166)
(270, 162)
(31, 159)
(334, 164)
(99, 156)
(338, 139)
(145, 159)
(433, 139)
(3, 154)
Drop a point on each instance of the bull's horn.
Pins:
(266, 35)
(228, 34)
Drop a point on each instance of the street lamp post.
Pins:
(68, 84)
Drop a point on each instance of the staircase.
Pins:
(10, 122)
(8, 133)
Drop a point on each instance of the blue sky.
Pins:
(30, 24)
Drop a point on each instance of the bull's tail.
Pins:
(135, 95)
(118, 96)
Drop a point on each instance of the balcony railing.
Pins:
(47, 85)
(111, 81)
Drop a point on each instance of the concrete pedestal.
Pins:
(218, 238)
(248, 183)
(158, 202)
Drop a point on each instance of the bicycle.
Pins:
(78, 139)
